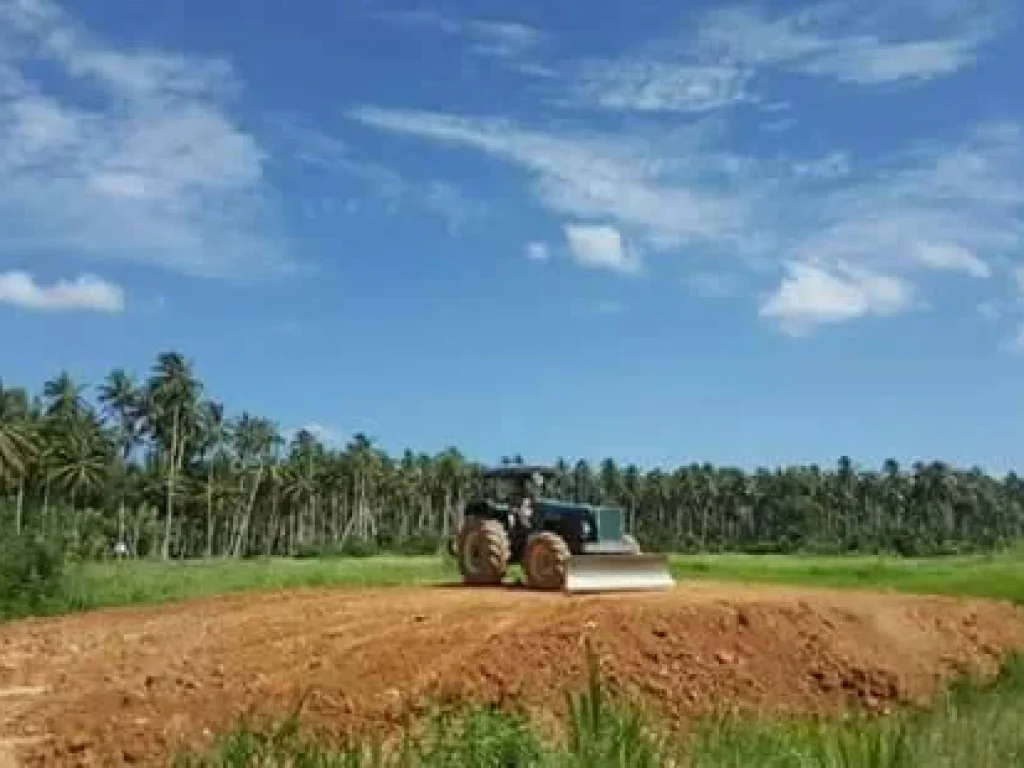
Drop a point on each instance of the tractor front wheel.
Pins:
(546, 561)
(483, 550)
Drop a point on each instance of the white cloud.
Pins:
(952, 257)
(609, 307)
(537, 251)
(601, 247)
(86, 293)
(150, 167)
(811, 294)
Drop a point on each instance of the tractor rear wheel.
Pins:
(483, 550)
(546, 561)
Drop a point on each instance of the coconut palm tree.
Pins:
(168, 407)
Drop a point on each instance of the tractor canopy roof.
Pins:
(514, 471)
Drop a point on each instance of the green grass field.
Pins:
(97, 585)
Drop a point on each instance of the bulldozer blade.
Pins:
(616, 573)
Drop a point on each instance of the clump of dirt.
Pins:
(130, 686)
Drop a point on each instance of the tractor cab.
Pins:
(509, 483)
(517, 489)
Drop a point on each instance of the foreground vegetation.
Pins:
(159, 464)
(970, 724)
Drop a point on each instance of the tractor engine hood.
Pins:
(570, 508)
(610, 521)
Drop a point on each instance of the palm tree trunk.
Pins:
(169, 509)
(74, 516)
(209, 514)
(46, 503)
(137, 530)
(243, 528)
(120, 520)
(20, 506)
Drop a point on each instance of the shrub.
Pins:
(31, 575)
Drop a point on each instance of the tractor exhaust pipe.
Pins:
(618, 573)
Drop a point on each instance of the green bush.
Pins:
(31, 575)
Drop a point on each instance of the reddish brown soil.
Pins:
(130, 685)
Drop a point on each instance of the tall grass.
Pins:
(971, 724)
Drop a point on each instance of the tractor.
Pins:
(561, 546)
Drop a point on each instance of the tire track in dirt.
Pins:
(126, 686)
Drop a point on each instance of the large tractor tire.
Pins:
(546, 561)
(483, 551)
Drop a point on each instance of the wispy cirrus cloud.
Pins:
(128, 154)
(941, 207)
(716, 61)
(645, 85)
(933, 209)
(87, 293)
(315, 148)
(720, 58)
(847, 233)
(511, 42)
(854, 41)
(603, 178)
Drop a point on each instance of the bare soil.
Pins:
(129, 686)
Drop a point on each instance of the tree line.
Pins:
(159, 465)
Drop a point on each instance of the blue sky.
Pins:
(747, 233)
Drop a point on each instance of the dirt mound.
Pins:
(127, 686)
